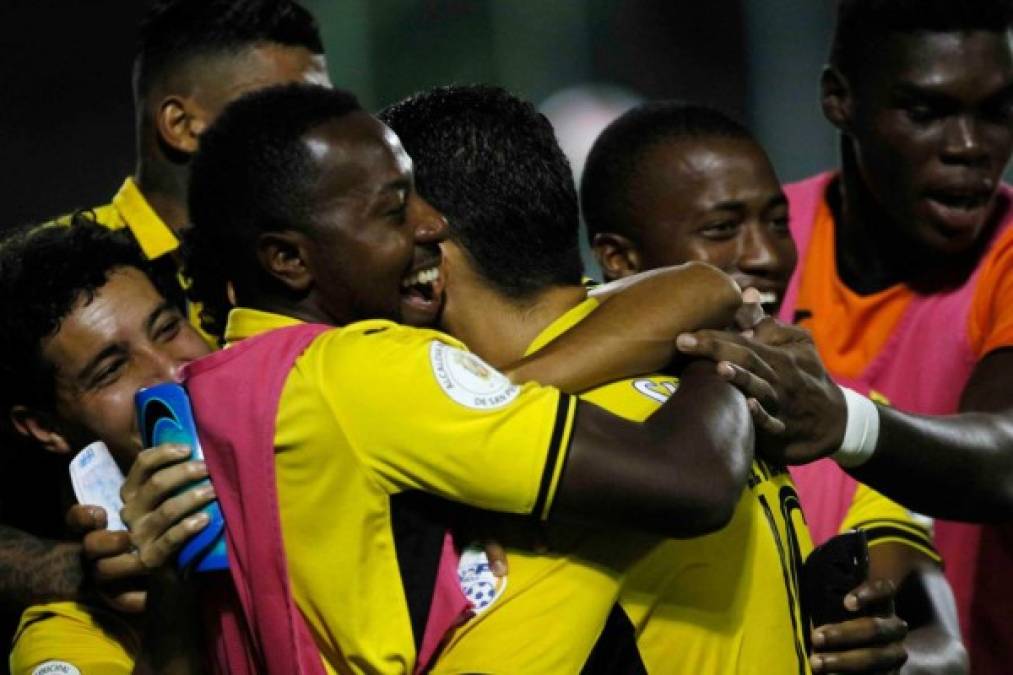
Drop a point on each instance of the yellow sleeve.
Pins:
(884, 520)
(63, 639)
(423, 413)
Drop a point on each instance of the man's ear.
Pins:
(180, 122)
(39, 426)
(836, 98)
(284, 256)
(617, 255)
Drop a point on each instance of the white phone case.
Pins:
(97, 480)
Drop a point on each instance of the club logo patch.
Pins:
(56, 668)
(469, 380)
(478, 583)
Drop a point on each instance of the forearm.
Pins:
(679, 474)
(933, 651)
(633, 331)
(920, 460)
(34, 570)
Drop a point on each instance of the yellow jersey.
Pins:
(546, 615)
(131, 211)
(374, 420)
(66, 638)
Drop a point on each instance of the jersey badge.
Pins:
(478, 583)
(469, 380)
(56, 668)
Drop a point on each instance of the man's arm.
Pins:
(924, 600)
(919, 459)
(34, 570)
(679, 474)
(633, 331)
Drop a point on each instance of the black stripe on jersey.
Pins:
(418, 525)
(615, 652)
(553, 455)
(41, 617)
(886, 531)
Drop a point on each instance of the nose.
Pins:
(758, 255)
(962, 141)
(430, 225)
(163, 366)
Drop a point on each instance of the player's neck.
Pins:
(499, 328)
(164, 186)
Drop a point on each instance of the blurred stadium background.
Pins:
(66, 119)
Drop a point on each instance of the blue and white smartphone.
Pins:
(164, 415)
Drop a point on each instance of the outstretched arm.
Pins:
(973, 449)
(917, 459)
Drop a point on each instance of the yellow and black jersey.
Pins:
(886, 521)
(371, 416)
(73, 639)
(548, 613)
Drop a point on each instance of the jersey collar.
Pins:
(563, 323)
(152, 234)
(245, 323)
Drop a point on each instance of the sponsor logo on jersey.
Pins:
(56, 668)
(478, 583)
(469, 380)
(658, 391)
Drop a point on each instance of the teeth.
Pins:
(426, 276)
(768, 297)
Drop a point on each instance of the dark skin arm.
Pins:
(679, 474)
(973, 449)
(918, 458)
(34, 570)
(924, 600)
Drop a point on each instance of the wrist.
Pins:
(861, 431)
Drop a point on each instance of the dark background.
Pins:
(66, 121)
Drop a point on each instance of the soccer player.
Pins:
(669, 182)
(904, 279)
(89, 327)
(328, 229)
(193, 57)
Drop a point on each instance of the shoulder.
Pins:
(68, 638)
(378, 336)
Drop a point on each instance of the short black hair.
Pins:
(173, 32)
(251, 175)
(44, 271)
(614, 158)
(491, 164)
(864, 23)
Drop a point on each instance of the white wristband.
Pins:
(861, 431)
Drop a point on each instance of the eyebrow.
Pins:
(88, 370)
(397, 184)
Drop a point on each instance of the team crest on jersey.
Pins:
(56, 668)
(469, 380)
(478, 583)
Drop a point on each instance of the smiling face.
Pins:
(127, 337)
(375, 242)
(715, 200)
(930, 122)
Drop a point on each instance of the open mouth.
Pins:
(960, 209)
(422, 294)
